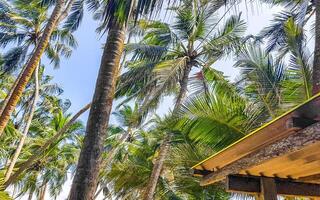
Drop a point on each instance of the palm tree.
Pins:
(21, 25)
(130, 120)
(58, 14)
(219, 117)
(275, 81)
(119, 138)
(129, 176)
(302, 12)
(51, 167)
(42, 89)
(26, 128)
(262, 77)
(45, 145)
(184, 185)
(166, 56)
(114, 15)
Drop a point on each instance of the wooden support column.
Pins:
(268, 188)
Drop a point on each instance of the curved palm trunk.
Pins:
(32, 63)
(86, 177)
(165, 146)
(40, 151)
(27, 126)
(316, 61)
(157, 168)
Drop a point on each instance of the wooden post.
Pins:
(268, 188)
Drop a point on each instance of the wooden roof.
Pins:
(295, 165)
(287, 156)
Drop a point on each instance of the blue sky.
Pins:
(77, 74)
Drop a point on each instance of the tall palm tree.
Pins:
(114, 15)
(45, 146)
(119, 140)
(262, 77)
(21, 26)
(129, 176)
(52, 166)
(58, 14)
(276, 81)
(166, 56)
(26, 128)
(129, 119)
(40, 91)
(51, 170)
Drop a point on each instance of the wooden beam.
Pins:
(243, 184)
(268, 188)
(302, 122)
(314, 178)
(199, 172)
(257, 185)
(292, 143)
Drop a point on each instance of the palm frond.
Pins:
(275, 33)
(169, 72)
(262, 76)
(11, 37)
(217, 118)
(227, 39)
(13, 59)
(75, 17)
(4, 6)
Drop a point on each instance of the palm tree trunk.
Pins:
(6, 100)
(40, 151)
(27, 126)
(43, 191)
(316, 61)
(157, 168)
(165, 146)
(86, 177)
(32, 63)
(183, 89)
(30, 195)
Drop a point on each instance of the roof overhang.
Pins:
(287, 147)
